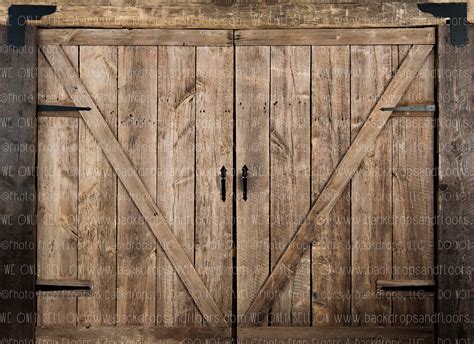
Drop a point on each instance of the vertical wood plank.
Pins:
(331, 129)
(290, 174)
(455, 256)
(214, 144)
(17, 179)
(97, 193)
(413, 192)
(371, 189)
(252, 148)
(58, 181)
(175, 177)
(137, 133)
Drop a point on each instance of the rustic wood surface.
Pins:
(470, 11)
(135, 187)
(290, 165)
(456, 183)
(214, 123)
(57, 206)
(135, 37)
(335, 36)
(252, 91)
(330, 140)
(175, 174)
(405, 284)
(18, 236)
(361, 146)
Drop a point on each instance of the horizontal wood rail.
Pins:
(135, 37)
(336, 36)
(245, 335)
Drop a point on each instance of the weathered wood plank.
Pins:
(330, 140)
(455, 235)
(176, 175)
(363, 143)
(413, 191)
(135, 37)
(290, 165)
(334, 37)
(132, 182)
(470, 11)
(97, 216)
(17, 180)
(137, 134)
(415, 284)
(252, 147)
(238, 15)
(214, 144)
(57, 206)
(371, 186)
(335, 334)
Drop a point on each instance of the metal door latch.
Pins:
(408, 108)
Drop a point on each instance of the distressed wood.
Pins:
(97, 215)
(237, 15)
(334, 37)
(336, 334)
(134, 37)
(17, 180)
(137, 134)
(415, 284)
(413, 191)
(175, 177)
(132, 182)
(57, 196)
(470, 11)
(252, 91)
(371, 186)
(363, 143)
(456, 184)
(330, 140)
(290, 174)
(214, 123)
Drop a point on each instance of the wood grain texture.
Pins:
(57, 205)
(456, 185)
(18, 186)
(97, 216)
(363, 143)
(371, 186)
(290, 174)
(252, 90)
(137, 134)
(470, 11)
(135, 187)
(176, 175)
(134, 37)
(334, 37)
(413, 191)
(237, 15)
(330, 139)
(415, 284)
(214, 144)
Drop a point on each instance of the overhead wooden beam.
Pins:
(135, 37)
(336, 36)
(238, 15)
(18, 189)
(309, 230)
(133, 184)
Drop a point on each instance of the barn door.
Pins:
(133, 194)
(299, 111)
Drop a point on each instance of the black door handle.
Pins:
(223, 175)
(244, 180)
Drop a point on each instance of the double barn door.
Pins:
(179, 208)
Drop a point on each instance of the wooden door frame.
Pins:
(446, 58)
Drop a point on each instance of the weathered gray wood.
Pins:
(456, 186)
(17, 186)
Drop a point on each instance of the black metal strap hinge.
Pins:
(457, 14)
(57, 108)
(17, 16)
